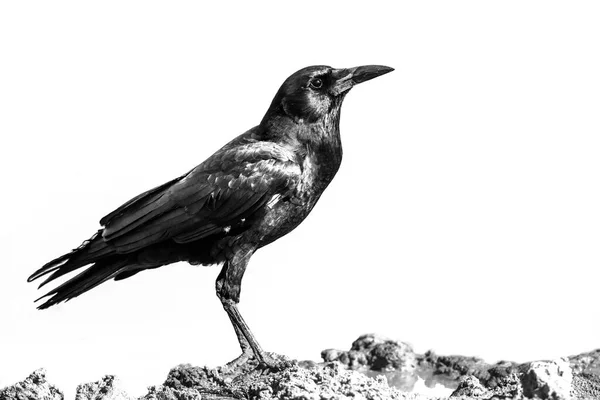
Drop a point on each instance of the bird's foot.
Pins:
(240, 365)
(249, 363)
(239, 362)
(271, 362)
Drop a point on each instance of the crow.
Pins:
(251, 192)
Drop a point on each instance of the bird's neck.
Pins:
(326, 147)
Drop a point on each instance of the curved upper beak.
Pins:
(346, 78)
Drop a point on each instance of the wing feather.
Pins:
(232, 184)
(160, 228)
(138, 201)
(242, 210)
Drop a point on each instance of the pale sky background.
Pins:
(465, 217)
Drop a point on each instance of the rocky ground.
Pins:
(374, 368)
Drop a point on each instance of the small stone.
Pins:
(391, 355)
(108, 388)
(470, 386)
(329, 355)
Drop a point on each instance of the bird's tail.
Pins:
(106, 265)
(100, 272)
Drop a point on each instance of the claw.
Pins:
(248, 363)
(245, 363)
(269, 364)
(239, 361)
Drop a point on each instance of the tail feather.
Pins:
(77, 261)
(106, 264)
(50, 267)
(88, 252)
(98, 273)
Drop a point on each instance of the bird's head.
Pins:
(313, 93)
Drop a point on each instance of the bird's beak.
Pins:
(346, 78)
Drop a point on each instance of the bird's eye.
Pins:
(316, 83)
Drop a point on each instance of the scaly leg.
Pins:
(228, 290)
(247, 351)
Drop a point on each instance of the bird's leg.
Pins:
(228, 290)
(247, 351)
(248, 342)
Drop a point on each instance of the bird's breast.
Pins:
(318, 170)
(284, 212)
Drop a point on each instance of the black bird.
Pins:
(251, 192)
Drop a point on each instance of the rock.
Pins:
(548, 380)
(167, 393)
(351, 359)
(453, 367)
(374, 368)
(108, 388)
(34, 387)
(470, 386)
(586, 386)
(375, 352)
(366, 342)
(586, 375)
(588, 363)
(502, 383)
(320, 382)
(329, 381)
(471, 377)
(188, 376)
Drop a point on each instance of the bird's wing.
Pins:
(231, 185)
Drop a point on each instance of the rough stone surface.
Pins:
(107, 388)
(586, 375)
(576, 377)
(454, 367)
(501, 385)
(548, 380)
(167, 393)
(34, 387)
(375, 368)
(375, 352)
(588, 363)
(319, 382)
(585, 386)
(470, 386)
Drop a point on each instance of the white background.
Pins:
(465, 217)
